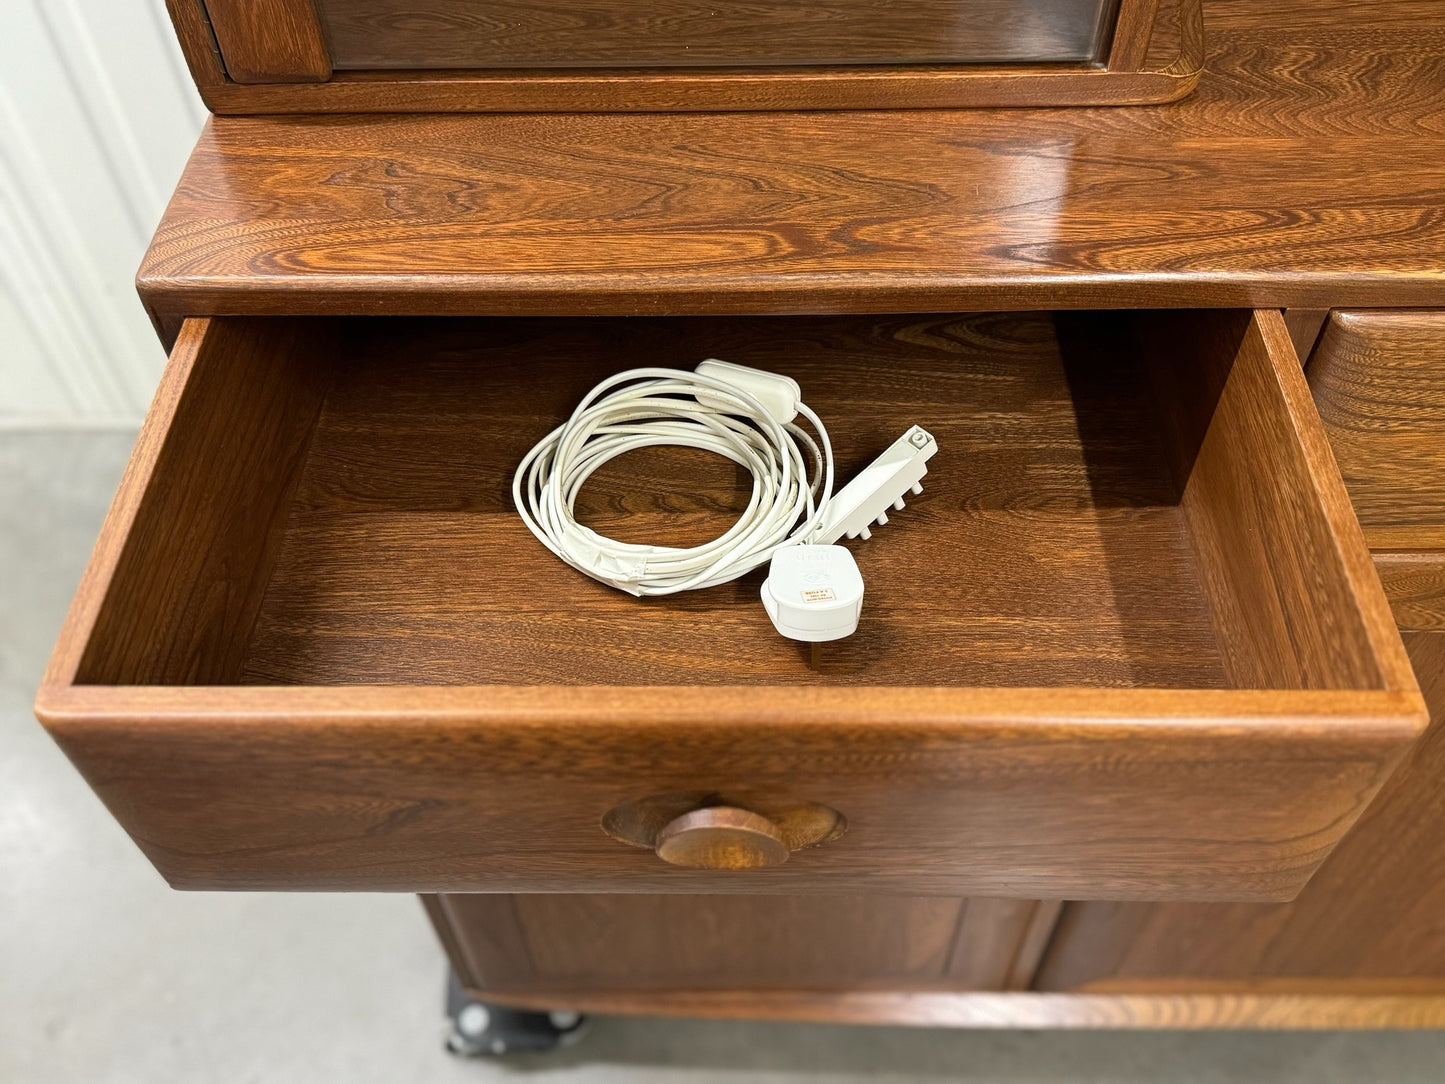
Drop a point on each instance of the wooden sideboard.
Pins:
(1143, 724)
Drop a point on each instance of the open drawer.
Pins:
(1128, 643)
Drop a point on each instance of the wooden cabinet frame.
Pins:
(1249, 195)
(270, 56)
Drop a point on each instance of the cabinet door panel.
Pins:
(560, 944)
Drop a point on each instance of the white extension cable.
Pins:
(748, 416)
(792, 473)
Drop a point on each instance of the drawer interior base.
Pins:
(1042, 551)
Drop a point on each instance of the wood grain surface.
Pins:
(672, 33)
(1035, 793)
(1304, 327)
(1303, 172)
(616, 942)
(269, 41)
(999, 943)
(1415, 585)
(1132, 33)
(1230, 387)
(1379, 381)
(200, 545)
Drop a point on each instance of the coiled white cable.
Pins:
(792, 477)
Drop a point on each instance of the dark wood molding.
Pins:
(1128, 82)
(1134, 28)
(265, 41)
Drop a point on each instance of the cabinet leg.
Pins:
(480, 1029)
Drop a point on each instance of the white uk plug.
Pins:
(879, 487)
(814, 593)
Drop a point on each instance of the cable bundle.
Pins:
(792, 477)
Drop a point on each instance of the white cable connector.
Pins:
(779, 393)
(879, 487)
(791, 521)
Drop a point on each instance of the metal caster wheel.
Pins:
(480, 1030)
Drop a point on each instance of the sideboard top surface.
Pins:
(1305, 170)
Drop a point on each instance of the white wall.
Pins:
(97, 115)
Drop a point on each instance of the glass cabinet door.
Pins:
(461, 34)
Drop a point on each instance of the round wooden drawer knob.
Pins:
(722, 837)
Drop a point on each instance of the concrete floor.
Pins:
(107, 975)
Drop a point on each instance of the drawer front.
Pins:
(1379, 381)
(313, 649)
(461, 790)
